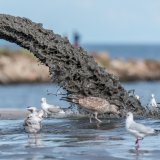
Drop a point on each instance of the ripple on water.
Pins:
(74, 139)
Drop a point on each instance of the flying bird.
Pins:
(93, 105)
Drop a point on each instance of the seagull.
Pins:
(50, 109)
(153, 104)
(137, 97)
(32, 123)
(138, 130)
(93, 105)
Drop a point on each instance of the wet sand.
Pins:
(14, 113)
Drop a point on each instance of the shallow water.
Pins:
(75, 139)
(72, 138)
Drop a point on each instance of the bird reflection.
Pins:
(35, 140)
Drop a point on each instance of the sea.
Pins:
(123, 51)
(127, 51)
(68, 138)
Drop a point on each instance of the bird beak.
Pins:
(28, 108)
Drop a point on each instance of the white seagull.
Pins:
(138, 130)
(32, 123)
(153, 104)
(50, 109)
(137, 97)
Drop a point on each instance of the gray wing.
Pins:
(141, 128)
(52, 106)
(54, 110)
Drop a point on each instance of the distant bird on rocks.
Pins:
(93, 105)
(152, 106)
(50, 109)
(137, 97)
(32, 123)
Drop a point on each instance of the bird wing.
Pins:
(141, 128)
(40, 114)
(92, 103)
(27, 122)
(54, 110)
(52, 106)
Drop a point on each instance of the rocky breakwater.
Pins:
(21, 67)
(131, 69)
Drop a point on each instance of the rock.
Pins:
(20, 68)
(102, 58)
(130, 70)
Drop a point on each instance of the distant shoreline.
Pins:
(20, 66)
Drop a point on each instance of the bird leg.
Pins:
(97, 117)
(137, 142)
(45, 114)
(35, 136)
(90, 118)
(28, 136)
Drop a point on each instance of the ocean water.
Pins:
(127, 51)
(23, 95)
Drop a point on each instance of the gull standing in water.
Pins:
(93, 105)
(138, 130)
(32, 123)
(153, 104)
(50, 109)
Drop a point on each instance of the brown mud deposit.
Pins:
(71, 68)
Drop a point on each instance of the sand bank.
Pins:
(11, 113)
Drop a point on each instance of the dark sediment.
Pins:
(71, 68)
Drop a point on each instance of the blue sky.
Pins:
(98, 21)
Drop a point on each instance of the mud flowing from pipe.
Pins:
(71, 68)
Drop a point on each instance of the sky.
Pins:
(97, 21)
